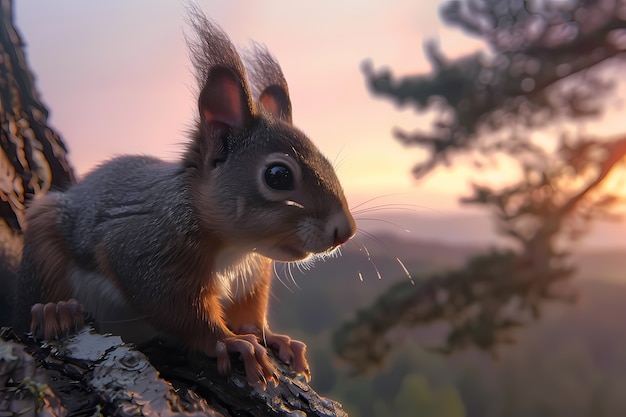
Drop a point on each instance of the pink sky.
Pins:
(117, 79)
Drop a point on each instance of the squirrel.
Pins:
(187, 246)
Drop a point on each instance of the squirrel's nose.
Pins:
(342, 226)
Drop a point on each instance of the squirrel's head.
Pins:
(260, 183)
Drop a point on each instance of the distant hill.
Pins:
(570, 362)
(605, 265)
(473, 229)
(366, 254)
(350, 281)
(352, 278)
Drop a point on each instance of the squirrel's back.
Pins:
(151, 194)
(108, 239)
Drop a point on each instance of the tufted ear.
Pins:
(224, 102)
(275, 100)
(269, 86)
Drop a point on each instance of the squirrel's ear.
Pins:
(269, 86)
(224, 101)
(275, 100)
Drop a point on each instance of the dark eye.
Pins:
(279, 177)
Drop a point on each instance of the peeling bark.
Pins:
(92, 373)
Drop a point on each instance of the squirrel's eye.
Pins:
(279, 177)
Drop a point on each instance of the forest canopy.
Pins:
(547, 70)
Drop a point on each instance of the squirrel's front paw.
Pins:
(53, 320)
(257, 365)
(291, 352)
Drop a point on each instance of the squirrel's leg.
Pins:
(248, 315)
(43, 276)
(207, 332)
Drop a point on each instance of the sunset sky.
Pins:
(117, 79)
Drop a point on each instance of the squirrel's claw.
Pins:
(223, 360)
(292, 352)
(53, 320)
(300, 364)
(259, 369)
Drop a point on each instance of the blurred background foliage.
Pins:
(519, 337)
(521, 104)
